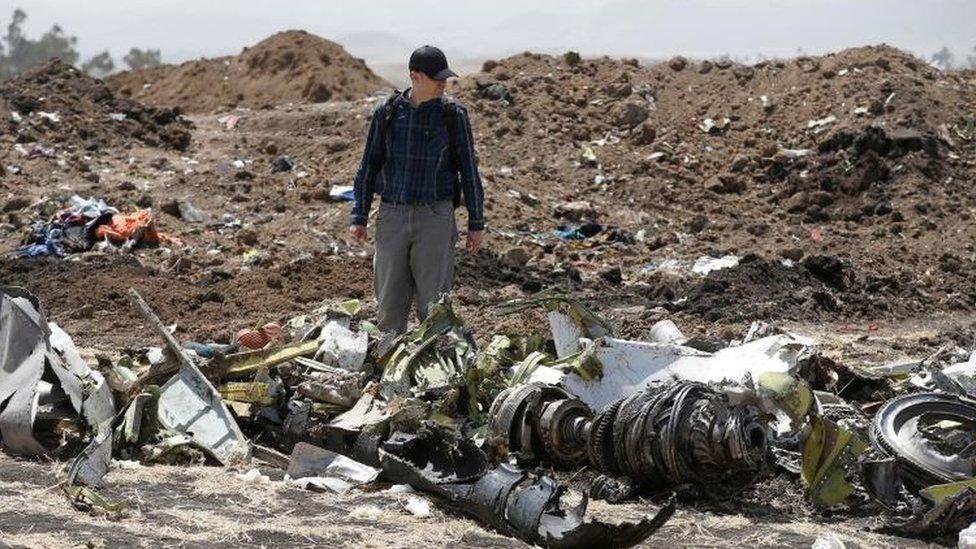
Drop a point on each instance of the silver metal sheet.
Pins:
(21, 331)
(189, 404)
(17, 418)
(308, 460)
(23, 346)
(92, 463)
(88, 390)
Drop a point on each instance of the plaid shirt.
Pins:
(418, 167)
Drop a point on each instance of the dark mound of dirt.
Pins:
(291, 66)
(209, 306)
(808, 136)
(820, 287)
(857, 173)
(59, 105)
(760, 288)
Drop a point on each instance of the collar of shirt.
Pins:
(405, 99)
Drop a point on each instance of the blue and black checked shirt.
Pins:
(418, 168)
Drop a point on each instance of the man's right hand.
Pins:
(358, 233)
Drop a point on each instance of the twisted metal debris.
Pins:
(410, 410)
(508, 498)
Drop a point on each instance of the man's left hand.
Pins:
(474, 240)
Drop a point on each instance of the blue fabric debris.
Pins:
(577, 232)
(69, 231)
(205, 350)
(202, 350)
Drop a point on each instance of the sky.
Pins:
(382, 31)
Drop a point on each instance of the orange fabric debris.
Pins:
(139, 226)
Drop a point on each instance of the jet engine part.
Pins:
(933, 436)
(666, 435)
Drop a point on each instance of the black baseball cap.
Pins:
(430, 61)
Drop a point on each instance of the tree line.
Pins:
(19, 53)
(945, 59)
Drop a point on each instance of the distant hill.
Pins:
(290, 66)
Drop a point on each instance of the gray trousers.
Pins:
(414, 259)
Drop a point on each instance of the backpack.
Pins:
(450, 123)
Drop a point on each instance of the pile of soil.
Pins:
(817, 288)
(853, 155)
(58, 106)
(771, 136)
(291, 66)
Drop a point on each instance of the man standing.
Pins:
(420, 159)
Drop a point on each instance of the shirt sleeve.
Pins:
(474, 194)
(365, 181)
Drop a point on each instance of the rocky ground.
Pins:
(843, 182)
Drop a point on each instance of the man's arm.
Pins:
(366, 175)
(474, 194)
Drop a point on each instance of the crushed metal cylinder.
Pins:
(508, 498)
(666, 435)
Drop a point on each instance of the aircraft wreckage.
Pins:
(670, 417)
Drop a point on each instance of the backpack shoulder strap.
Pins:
(451, 123)
(389, 111)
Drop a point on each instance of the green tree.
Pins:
(14, 39)
(99, 65)
(140, 59)
(22, 53)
